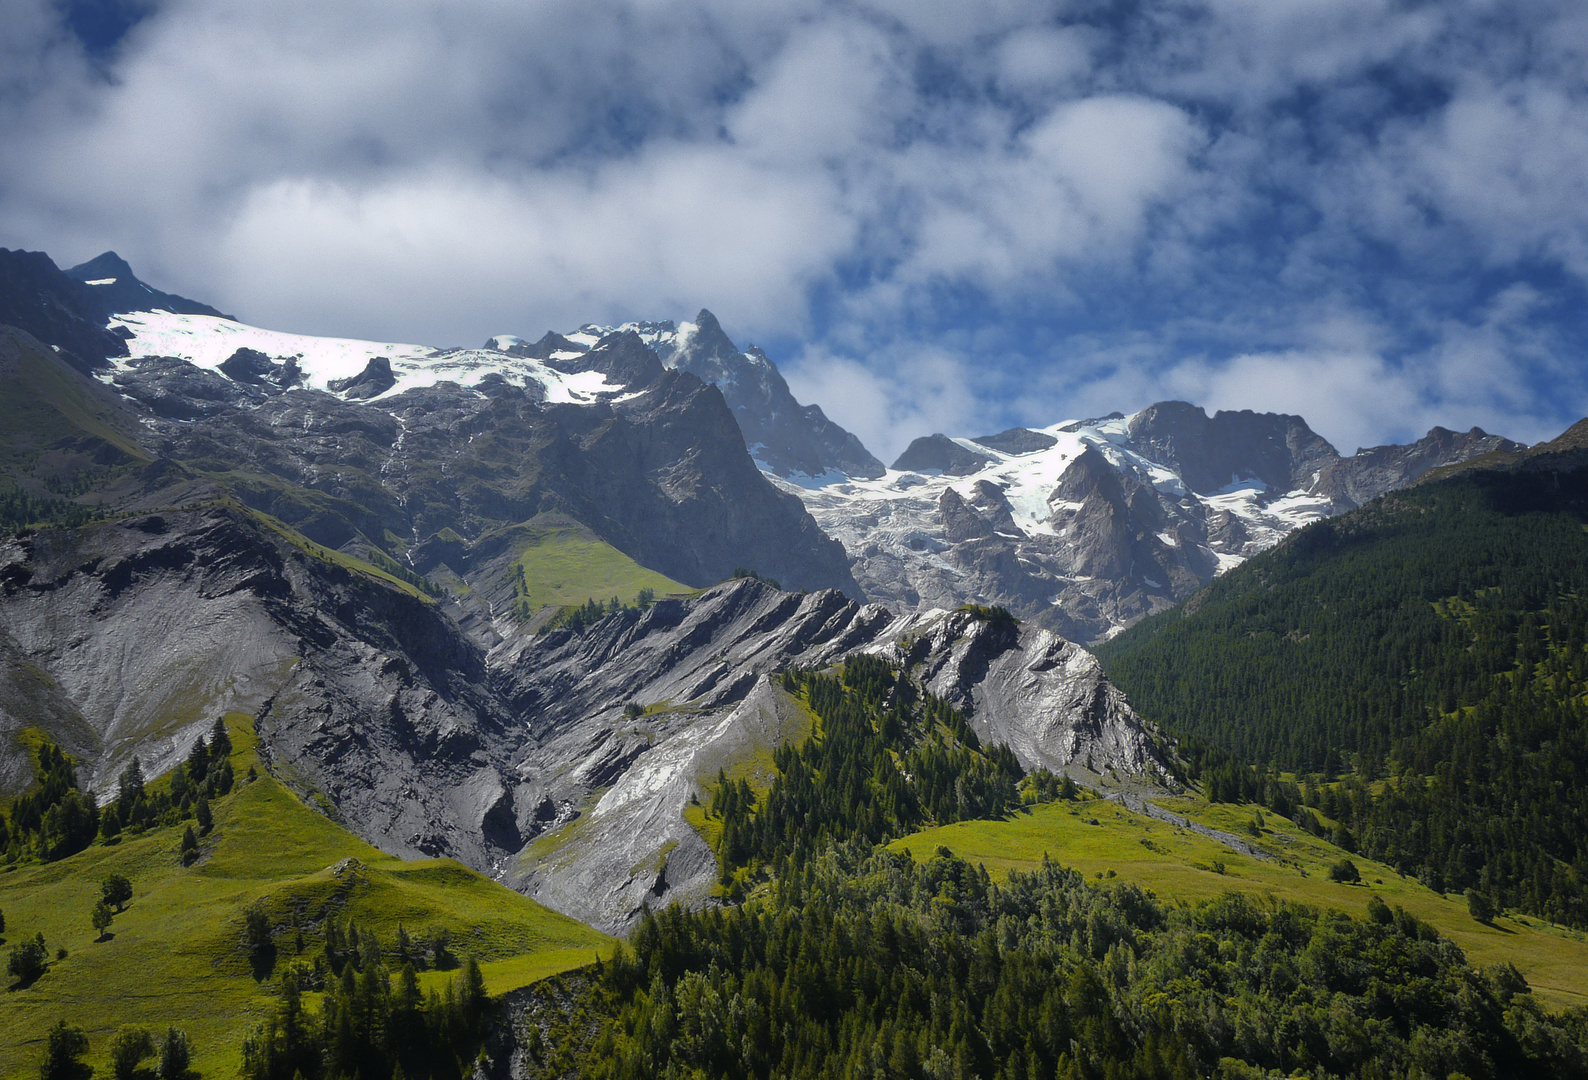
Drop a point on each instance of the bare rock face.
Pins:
(1046, 698)
(1355, 481)
(789, 440)
(700, 669)
(147, 629)
(1209, 453)
(940, 454)
(560, 763)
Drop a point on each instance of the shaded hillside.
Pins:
(1435, 643)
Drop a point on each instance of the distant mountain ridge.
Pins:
(1089, 525)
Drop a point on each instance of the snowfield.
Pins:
(207, 342)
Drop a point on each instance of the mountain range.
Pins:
(368, 548)
(612, 620)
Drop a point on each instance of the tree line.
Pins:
(1423, 662)
(56, 818)
(371, 1024)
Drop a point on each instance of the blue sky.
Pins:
(948, 215)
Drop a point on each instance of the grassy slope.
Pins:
(43, 402)
(176, 956)
(337, 558)
(1178, 864)
(565, 566)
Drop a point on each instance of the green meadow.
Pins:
(176, 956)
(1104, 840)
(561, 567)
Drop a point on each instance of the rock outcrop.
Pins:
(632, 717)
(792, 441)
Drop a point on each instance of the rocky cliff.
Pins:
(560, 762)
(789, 440)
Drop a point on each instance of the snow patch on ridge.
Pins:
(207, 342)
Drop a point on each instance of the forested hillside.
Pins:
(867, 963)
(1432, 648)
(889, 758)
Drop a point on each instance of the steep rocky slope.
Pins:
(559, 762)
(418, 456)
(1088, 526)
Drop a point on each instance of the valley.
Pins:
(544, 645)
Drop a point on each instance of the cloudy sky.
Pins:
(949, 215)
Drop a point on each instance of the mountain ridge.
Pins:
(1087, 526)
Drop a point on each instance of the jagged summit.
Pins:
(794, 442)
(120, 290)
(1089, 525)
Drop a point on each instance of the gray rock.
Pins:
(1016, 440)
(940, 454)
(701, 668)
(130, 637)
(788, 438)
(373, 381)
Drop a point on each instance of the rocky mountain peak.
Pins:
(1210, 454)
(788, 439)
(1110, 519)
(939, 454)
(105, 265)
(709, 339)
(1016, 440)
(117, 289)
(621, 356)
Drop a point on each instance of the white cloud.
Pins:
(1043, 59)
(973, 212)
(658, 234)
(1511, 164)
(916, 392)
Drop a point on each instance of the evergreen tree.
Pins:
(64, 1048)
(198, 761)
(129, 787)
(220, 741)
(176, 1055)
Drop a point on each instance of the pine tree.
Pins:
(130, 789)
(220, 741)
(176, 1054)
(63, 1051)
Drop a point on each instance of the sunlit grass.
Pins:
(177, 957)
(1179, 864)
